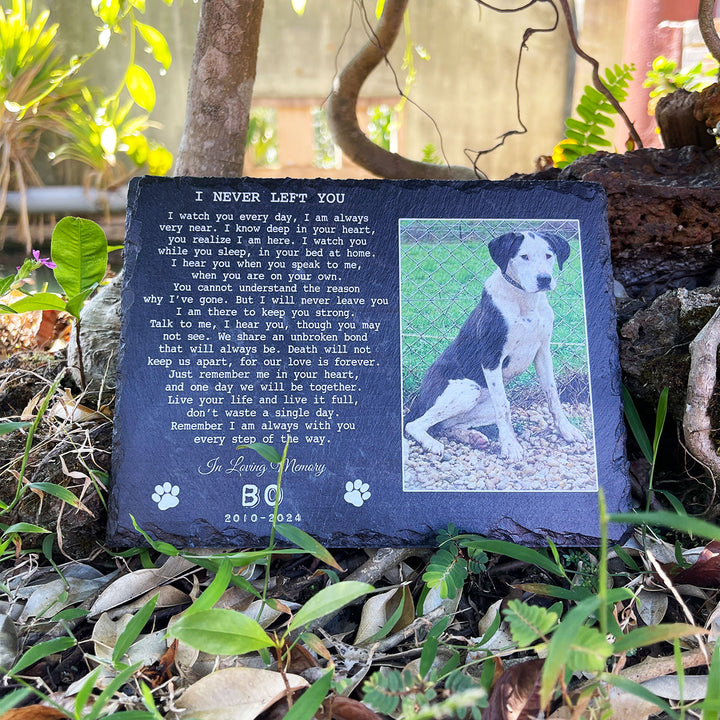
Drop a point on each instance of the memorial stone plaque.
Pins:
(433, 352)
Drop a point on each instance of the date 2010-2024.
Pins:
(254, 517)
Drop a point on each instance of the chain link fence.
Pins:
(443, 266)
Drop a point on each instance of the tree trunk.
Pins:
(220, 89)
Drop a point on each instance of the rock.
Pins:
(663, 212)
(99, 338)
(654, 345)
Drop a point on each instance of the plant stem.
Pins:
(271, 544)
(28, 443)
(81, 368)
(603, 561)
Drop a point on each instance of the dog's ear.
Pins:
(504, 247)
(560, 247)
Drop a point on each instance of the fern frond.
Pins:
(585, 134)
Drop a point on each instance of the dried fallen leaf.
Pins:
(378, 609)
(652, 606)
(516, 694)
(33, 712)
(8, 641)
(343, 708)
(134, 584)
(68, 408)
(236, 694)
(705, 572)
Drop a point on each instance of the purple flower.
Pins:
(47, 262)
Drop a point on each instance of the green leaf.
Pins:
(446, 570)
(305, 707)
(38, 301)
(140, 86)
(156, 42)
(307, 543)
(86, 690)
(648, 635)
(9, 427)
(79, 249)
(660, 415)
(130, 634)
(113, 686)
(161, 547)
(329, 600)
(684, 523)
(588, 650)
(40, 651)
(213, 592)
(220, 632)
(6, 284)
(560, 644)
(75, 304)
(69, 614)
(518, 552)
(576, 125)
(57, 491)
(23, 527)
(529, 623)
(711, 703)
(266, 451)
(12, 699)
(638, 430)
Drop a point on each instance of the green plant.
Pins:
(227, 632)
(35, 89)
(586, 133)
(649, 450)
(101, 133)
(448, 568)
(41, 95)
(79, 262)
(262, 140)
(664, 78)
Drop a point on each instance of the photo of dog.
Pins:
(509, 331)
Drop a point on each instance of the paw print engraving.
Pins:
(356, 493)
(166, 496)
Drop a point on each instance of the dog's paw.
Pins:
(572, 434)
(356, 493)
(166, 496)
(512, 450)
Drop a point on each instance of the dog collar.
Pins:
(514, 283)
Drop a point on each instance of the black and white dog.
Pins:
(510, 329)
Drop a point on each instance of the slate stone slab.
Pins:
(310, 310)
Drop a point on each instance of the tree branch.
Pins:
(342, 109)
(596, 74)
(706, 21)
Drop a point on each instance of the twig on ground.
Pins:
(381, 562)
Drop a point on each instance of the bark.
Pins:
(342, 109)
(220, 89)
(675, 115)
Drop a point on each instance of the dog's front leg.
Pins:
(509, 445)
(546, 375)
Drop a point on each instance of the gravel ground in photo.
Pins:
(550, 463)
